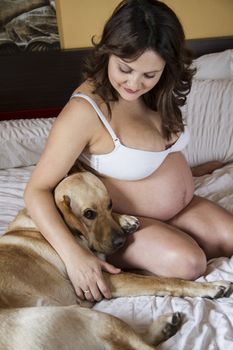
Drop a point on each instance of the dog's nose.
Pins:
(118, 241)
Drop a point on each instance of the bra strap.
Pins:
(100, 114)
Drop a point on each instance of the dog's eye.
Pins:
(110, 205)
(90, 214)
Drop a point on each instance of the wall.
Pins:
(79, 20)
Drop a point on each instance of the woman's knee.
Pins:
(168, 252)
(189, 263)
(193, 264)
(186, 263)
(225, 244)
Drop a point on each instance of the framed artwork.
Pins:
(28, 25)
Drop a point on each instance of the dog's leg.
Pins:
(129, 284)
(116, 334)
(74, 327)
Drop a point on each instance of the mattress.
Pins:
(207, 324)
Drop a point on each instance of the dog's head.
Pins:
(87, 209)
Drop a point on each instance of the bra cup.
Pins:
(182, 141)
(125, 163)
(130, 164)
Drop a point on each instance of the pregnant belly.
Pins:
(160, 196)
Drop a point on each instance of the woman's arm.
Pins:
(71, 133)
(206, 168)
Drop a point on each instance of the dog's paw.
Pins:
(224, 289)
(129, 224)
(163, 328)
(172, 325)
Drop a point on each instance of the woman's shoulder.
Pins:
(87, 89)
(87, 101)
(79, 113)
(78, 107)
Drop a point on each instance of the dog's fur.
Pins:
(38, 306)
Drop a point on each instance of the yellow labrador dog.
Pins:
(39, 309)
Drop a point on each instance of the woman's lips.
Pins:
(131, 91)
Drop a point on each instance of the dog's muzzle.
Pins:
(118, 240)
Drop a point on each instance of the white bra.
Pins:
(125, 163)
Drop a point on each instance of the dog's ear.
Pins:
(71, 220)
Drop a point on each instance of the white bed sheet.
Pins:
(208, 324)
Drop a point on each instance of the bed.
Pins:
(35, 86)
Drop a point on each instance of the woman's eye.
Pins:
(147, 76)
(90, 214)
(126, 71)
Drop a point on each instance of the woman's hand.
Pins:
(85, 272)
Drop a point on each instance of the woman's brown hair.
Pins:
(134, 27)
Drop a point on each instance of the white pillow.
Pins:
(22, 141)
(217, 65)
(209, 115)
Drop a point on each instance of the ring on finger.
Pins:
(86, 291)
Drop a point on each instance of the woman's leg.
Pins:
(210, 225)
(163, 250)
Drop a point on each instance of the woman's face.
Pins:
(132, 79)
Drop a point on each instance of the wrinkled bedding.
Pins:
(208, 324)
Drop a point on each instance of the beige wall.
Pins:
(79, 20)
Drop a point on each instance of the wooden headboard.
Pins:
(38, 84)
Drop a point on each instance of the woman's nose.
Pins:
(133, 82)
